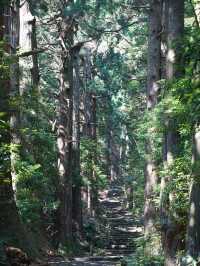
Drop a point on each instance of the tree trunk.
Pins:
(77, 182)
(35, 69)
(112, 149)
(174, 70)
(193, 230)
(94, 200)
(163, 210)
(108, 140)
(90, 131)
(153, 76)
(25, 43)
(14, 92)
(11, 229)
(64, 132)
(175, 66)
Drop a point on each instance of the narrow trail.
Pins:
(120, 234)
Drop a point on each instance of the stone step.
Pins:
(120, 246)
(122, 235)
(119, 251)
(118, 237)
(116, 213)
(93, 263)
(99, 258)
(118, 232)
(123, 229)
(119, 219)
(129, 231)
(107, 258)
(120, 240)
(121, 224)
(112, 207)
(117, 246)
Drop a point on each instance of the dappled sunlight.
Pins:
(99, 132)
(171, 55)
(192, 214)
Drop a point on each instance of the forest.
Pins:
(100, 132)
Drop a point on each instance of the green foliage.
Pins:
(141, 258)
(34, 194)
(119, 70)
(179, 174)
(90, 152)
(35, 164)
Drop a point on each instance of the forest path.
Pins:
(120, 232)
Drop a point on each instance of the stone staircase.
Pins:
(123, 230)
(119, 231)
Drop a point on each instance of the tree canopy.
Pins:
(99, 103)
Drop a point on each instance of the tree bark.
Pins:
(15, 122)
(174, 70)
(77, 182)
(26, 63)
(153, 76)
(193, 229)
(35, 69)
(89, 102)
(163, 210)
(94, 201)
(108, 139)
(64, 131)
(175, 35)
(112, 147)
(11, 228)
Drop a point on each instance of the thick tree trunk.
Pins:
(174, 70)
(175, 33)
(11, 228)
(163, 210)
(77, 182)
(153, 76)
(90, 131)
(108, 140)
(114, 156)
(14, 91)
(26, 63)
(87, 110)
(193, 230)
(64, 133)
(94, 199)
(112, 147)
(35, 69)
